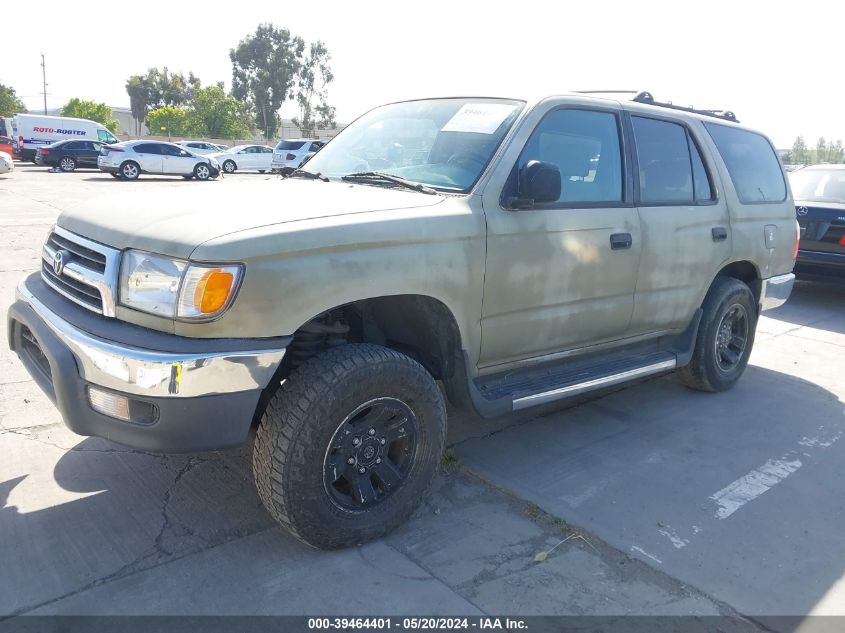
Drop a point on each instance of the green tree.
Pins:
(10, 104)
(800, 155)
(138, 91)
(821, 151)
(83, 109)
(835, 152)
(315, 74)
(169, 121)
(214, 114)
(264, 70)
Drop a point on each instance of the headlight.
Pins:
(176, 288)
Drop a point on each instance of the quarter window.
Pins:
(670, 165)
(585, 147)
(751, 161)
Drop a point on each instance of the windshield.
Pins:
(442, 143)
(818, 185)
(237, 148)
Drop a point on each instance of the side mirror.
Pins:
(538, 182)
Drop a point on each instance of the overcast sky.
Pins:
(755, 58)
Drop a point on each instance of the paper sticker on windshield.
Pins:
(481, 118)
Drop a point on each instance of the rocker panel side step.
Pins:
(592, 384)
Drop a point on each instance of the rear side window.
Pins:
(585, 147)
(148, 148)
(670, 165)
(752, 163)
(290, 146)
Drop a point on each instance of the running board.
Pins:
(498, 394)
(596, 383)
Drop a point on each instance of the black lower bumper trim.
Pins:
(183, 424)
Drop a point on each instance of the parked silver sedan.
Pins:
(130, 159)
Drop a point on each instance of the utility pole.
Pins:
(44, 81)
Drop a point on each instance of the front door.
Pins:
(686, 226)
(561, 275)
(178, 160)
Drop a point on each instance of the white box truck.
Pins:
(32, 131)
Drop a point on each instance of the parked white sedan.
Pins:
(245, 157)
(6, 164)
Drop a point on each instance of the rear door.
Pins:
(149, 157)
(686, 226)
(88, 153)
(263, 158)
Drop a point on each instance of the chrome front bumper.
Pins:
(148, 373)
(775, 291)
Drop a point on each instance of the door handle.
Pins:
(619, 241)
(719, 233)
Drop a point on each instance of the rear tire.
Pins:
(67, 163)
(130, 170)
(725, 337)
(115, 175)
(349, 445)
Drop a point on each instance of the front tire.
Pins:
(202, 171)
(725, 337)
(115, 175)
(229, 166)
(67, 163)
(349, 445)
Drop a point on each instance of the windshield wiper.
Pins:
(380, 175)
(310, 175)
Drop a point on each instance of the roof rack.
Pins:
(642, 96)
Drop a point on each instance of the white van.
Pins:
(35, 130)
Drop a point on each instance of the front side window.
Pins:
(442, 143)
(172, 150)
(106, 136)
(752, 164)
(585, 147)
(73, 145)
(670, 165)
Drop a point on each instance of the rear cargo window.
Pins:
(291, 146)
(752, 163)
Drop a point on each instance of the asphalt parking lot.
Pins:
(673, 502)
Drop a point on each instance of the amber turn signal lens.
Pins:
(213, 291)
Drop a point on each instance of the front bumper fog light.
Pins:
(122, 408)
(109, 404)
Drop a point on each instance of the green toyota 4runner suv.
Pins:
(511, 252)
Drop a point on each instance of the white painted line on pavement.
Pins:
(748, 487)
(634, 548)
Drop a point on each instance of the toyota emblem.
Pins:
(60, 259)
(802, 210)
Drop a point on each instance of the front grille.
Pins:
(88, 295)
(85, 256)
(87, 270)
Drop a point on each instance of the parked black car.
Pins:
(819, 193)
(69, 154)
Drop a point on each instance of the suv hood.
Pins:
(174, 218)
